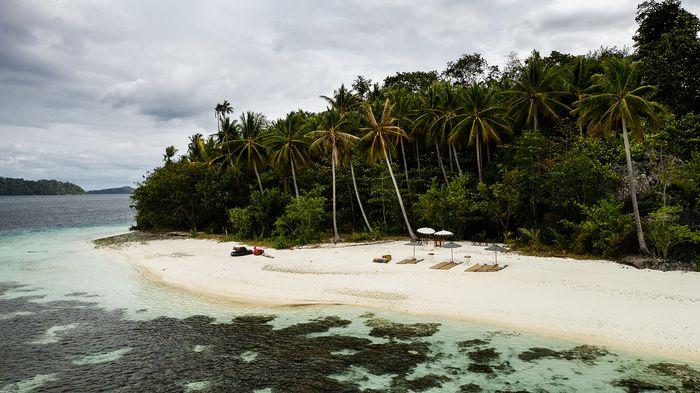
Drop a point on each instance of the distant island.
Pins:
(116, 190)
(10, 186)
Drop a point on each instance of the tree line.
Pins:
(10, 186)
(580, 153)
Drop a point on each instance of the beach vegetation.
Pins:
(581, 149)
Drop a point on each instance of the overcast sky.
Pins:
(92, 91)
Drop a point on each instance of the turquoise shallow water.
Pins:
(76, 319)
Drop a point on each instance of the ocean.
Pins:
(77, 319)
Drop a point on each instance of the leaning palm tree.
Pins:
(288, 144)
(249, 149)
(533, 95)
(330, 138)
(618, 99)
(481, 120)
(380, 131)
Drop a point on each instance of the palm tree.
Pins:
(249, 149)
(377, 139)
(533, 94)
(403, 107)
(424, 121)
(170, 152)
(577, 80)
(446, 117)
(196, 149)
(482, 120)
(329, 137)
(619, 100)
(342, 100)
(220, 111)
(288, 144)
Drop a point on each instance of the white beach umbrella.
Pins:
(426, 231)
(444, 233)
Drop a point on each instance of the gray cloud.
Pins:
(91, 91)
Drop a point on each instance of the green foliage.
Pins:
(669, 48)
(450, 207)
(664, 231)
(9, 186)
(301, 223)
(580, 177)
(603, 229)
(681, 135)
(186, 196)
(500, 201)
(257, 220)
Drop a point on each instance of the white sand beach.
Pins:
(594, 302)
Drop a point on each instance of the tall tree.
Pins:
(329, 137)
(249, 149)
(482, 120)
(415, 81)
(288, 144)
(620, 100)
(447, 112)
(221, 110)
(379, 132)
(428, 113)
(668, 47)
(342, 100)
(170, 152)
(577, 80)
(467, 69)
(533, 95)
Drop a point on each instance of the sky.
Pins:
(92, 91)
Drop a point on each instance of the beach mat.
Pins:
(408, 261)
(445, 265)
(484, 268)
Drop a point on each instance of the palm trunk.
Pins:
(417, 156)
(398, 195)
(535, 121)
(454, 151)
(478, 157)
(449, 158)
(357, 194)
(439, 157)
(633, 190)
(294, 178)
(488, 152)
(405, 166)
(336, 238)
(257, 175)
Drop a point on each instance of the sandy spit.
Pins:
(594, 302)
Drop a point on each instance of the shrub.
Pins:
(450, 206)
(604, 228)
(301, 221)
(258, 218)
(664, 231)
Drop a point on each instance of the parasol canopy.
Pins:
(414, 244)
(452, 246)
(426, 231)
(496, 249)
(444, 233)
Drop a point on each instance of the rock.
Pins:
(648, 262)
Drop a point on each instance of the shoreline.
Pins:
(591, 302)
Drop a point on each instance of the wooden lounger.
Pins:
(484, 268)
(408, 261)
(445, 265)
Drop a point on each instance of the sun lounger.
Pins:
(439, 265)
